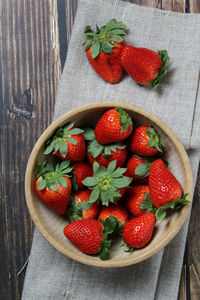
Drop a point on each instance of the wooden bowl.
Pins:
(51, 225)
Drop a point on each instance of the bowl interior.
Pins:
(51, 225)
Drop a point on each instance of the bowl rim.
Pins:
(123, 261)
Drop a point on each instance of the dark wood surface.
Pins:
(34, 39)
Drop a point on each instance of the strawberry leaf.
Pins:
(102, 39)
(94, 196)
(161, 213)
(71, 140)
(106, 48)
(90, 181)
(42, 184)
(125, 119)
(104, 254)
(142, 170)
(89, 134)
(63, 148)
(163, 71)
(96, 49)
(75, 131)
(154, 139)
(62, 181)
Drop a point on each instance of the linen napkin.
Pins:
(50, 275)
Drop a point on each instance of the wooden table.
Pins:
(34, 39)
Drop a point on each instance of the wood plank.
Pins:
(194, 245)
(194, 6)
(30, 68)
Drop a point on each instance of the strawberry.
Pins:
(145, 66)
(164, 188)
(120, 157)
(107, 184)
(137, 232)
(114, 125)
(134, 197)
(104, 154)
(91, 236)
(67, 143)
(81, 170)
(74, 211)
(145, 141)
(138, 168)
(53, 186)
(104, 48)
(118, 211)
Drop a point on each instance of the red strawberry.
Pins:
(90, 236)
(163, 185)
(137, 232)
(104, 154)
(145, 66)
(120, 157)
(80, 172)
(53, 186)
(104, 48)
(145, 141)
(114, 125)
(117, 211)
(138, 168)
(91, 212)
(67, 143)
(86, 235)
(134, 197)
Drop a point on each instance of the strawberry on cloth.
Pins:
(103, 49)
(145, 66)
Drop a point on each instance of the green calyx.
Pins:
(58, 141)
(111, 226)
(160, 213)
(163, 71)
(143, 169)
(51, 176)
(95, 148)
(125, 119)
(103, 38)
(106, 182)
(154, 139)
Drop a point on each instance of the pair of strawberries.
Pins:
(110, 56)
(87, 192)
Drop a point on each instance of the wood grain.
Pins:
(30, 68)
(34, 38)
